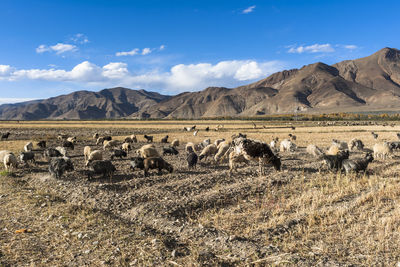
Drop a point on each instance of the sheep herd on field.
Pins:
(239, 149)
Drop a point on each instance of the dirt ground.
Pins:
(304, 215)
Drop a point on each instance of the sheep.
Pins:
(27, 156)
(86, 152)
(234, 136)
(222, 149)
(218, 141)
(334, 162)
(52, 153)
(62, 150)
(394, 145)
(192, 159)
(175, 143)
(356, 144)
(134, 138)
(206, 142)
(398, 135)
(148, 151)
(72, 139)
(95, 136)
(189, 146)
(118, 153)
(3, 153)
(128, 140)
(195, 133)
(136, 162)
(126, 147)
(314, 150)
(287, 145)
(28, 147)
(110, 144)
(149, 138)
(374, 135)
(333, 150)
(357, 165)
(292, 137)
(101, 140)
(342, 145)
(5, 136)
(156, 163)
(234, 159)
(68, 144)
(207, 129)
(104, 167)
(94, 155)
(10, 162)
(381, 150)
(41, 144)
(59, 165)
(107, 138)
(209, 150)
(164, 139)
(257, 151)
(170, 150)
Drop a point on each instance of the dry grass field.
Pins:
(304, 215)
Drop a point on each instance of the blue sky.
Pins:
(55, 47)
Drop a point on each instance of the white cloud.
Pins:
(179, 78)
(249, 9)
(58, 48)
(128, 53)
(162, 47)
(136, 51)
(350, 47)
(80, 38)
(315, 48)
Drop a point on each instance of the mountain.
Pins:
(109, 103)
(366, 84)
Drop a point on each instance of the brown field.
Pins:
(304, 215)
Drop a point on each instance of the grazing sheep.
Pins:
(156, 163)
(195, 133)
(110, 144)
(104, 167)
(3, 153)
(357, 165)
(219, 141)
(28, 147)
(86, 152)
(52, 153)
(165, 139)
(95, 136)
(100, 140)
(58, 166)
(128, 140)
(68, 144)
(94, 155)
(381, 150)
(107, 138)
(356, 144)
(170, 150)
(134, 138)
(175, 143)
(189, 147)
(5, 136)
(187, 129)
(209, 150)
(137, 163)
(287, 145)
(27, 156)
(149, 138)
(192, 159)
(222, 150)
(207, 129)
(10, 162)
(257, 151)
(41, 144)
(334, 162)
(148, 151)
(194, 147)
(342, 145)
(126, 147)
(314, 150)
(234, 159)
(374, 135)
(118, 153)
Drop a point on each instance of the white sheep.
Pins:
(86, 152)
(94, 155)
(126, 147)
(209, 150)
(3, 153)
(314, 150)
(287, 145)
(28, 147)
(134, 138)
(273, 144)
(110, 144)
(10, 161)
(381, 150)
(175, 143)
(148, 151)
(222, 150)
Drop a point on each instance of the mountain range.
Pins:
(366, 84)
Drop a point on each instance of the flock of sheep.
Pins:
(239, 149)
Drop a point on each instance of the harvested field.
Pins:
(303, 215)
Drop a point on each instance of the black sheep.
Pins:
(207, 128)
(357, 165)
(192, 159)
(107, 138)
(156, 163)
(398, 135)
(118, 153)
(27, 156)
(58, 166)
(137, 162)
(52, 153)
(5, 136)
(41, 144)
(149, 138)
(68, 144)
(104, 167)
(334, 162)
(170, 150)
(260, 150)
(165, 139)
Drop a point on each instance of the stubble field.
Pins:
(303, 215)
